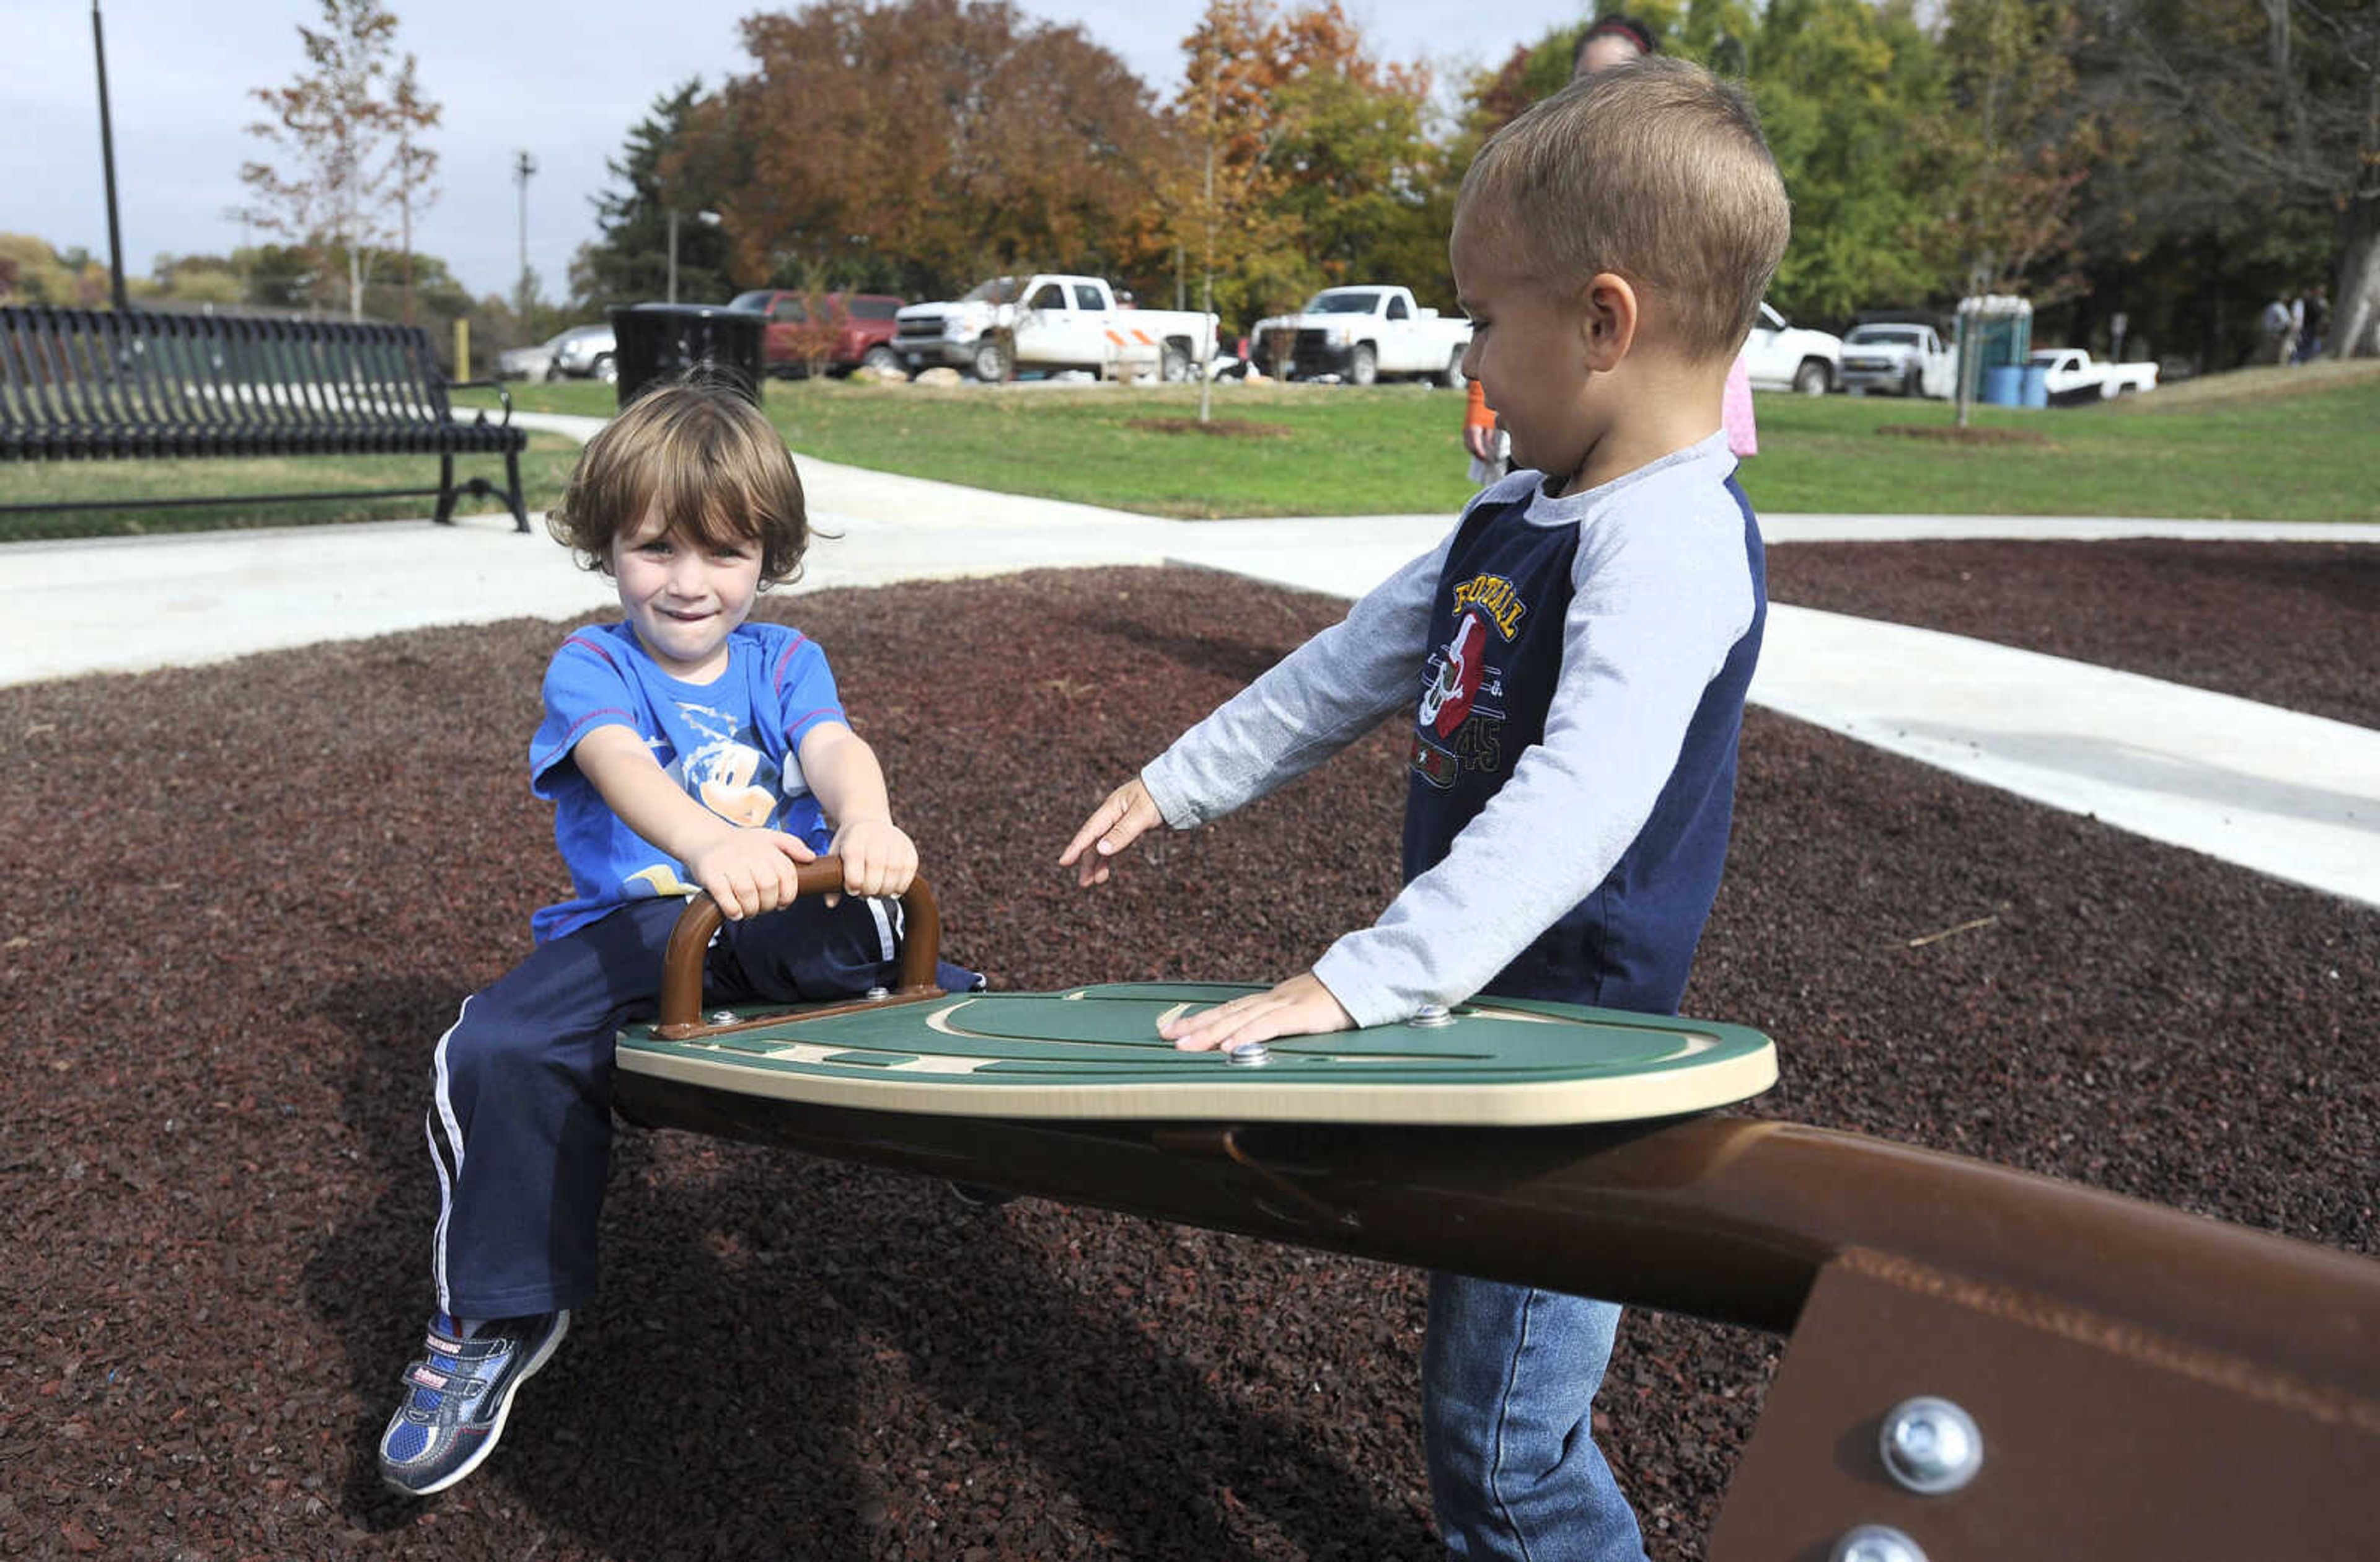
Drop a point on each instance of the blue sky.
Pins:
(563, 81)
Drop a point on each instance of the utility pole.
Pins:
(108, 161)
(1207, 280)
(522, 166)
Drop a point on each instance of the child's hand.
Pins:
(1299, 1006)
(1128, 813)
(748, 872)
(877, 859)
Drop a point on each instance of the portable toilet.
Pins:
(1995, 342)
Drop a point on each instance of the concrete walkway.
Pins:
(2297, 797)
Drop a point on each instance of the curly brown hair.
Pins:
(719, 470)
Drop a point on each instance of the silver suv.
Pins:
(585, 352)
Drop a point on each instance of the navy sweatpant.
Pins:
(520, 1111)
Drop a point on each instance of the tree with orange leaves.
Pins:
(935, 141)
(1297, 160)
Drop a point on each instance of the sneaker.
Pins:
(457, 1396)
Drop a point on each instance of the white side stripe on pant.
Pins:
(450, 1162)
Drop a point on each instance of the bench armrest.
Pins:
(496, 386)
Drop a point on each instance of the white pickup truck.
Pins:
(1905, 358)
(2071, 374)
(1049, 321)
(1780, 355)
(1360, 333)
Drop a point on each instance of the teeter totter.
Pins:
(1982, 1363)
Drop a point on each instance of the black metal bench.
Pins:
(92, 384)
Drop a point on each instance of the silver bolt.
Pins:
(878, 994)
(1429, 1017)
(722, 1016)
(1875, 1542)
(1256, 1054)
(1930, 1445)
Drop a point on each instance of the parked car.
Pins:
(1050, 323)
(2069, 375)
(532, 362)
(1782, 356)
(1901, 357)
(585, 352)
(1360, 333)
(839, 332)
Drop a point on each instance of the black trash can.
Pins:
(659, 342)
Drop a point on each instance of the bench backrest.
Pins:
(191, 378)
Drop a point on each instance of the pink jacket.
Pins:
(1735, 413)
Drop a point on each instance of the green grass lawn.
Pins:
(2258, 445)
(2277, 444)
(545, 468)
(2262, 444)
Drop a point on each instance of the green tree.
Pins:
(1297, 160)
(1844, 89)
(1365, 182)
(44, 275)
(2261, 114)
(629, 258)
(345, 139)
(2013, 148)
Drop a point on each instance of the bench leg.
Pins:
(513, 490)
(445, 516)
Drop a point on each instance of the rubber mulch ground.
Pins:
(244, 900)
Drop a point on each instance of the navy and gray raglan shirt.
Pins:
(1573, 673)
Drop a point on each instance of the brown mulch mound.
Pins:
(246, 899)
(2288, 624)
(1951, 434)
(1225, 428)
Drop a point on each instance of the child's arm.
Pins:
(1129, 814)
(746, 871)
(1323, 696)
(1299, 1006)
(877, 859)
(1651, 623)
(1478, 424)
(1658, 609)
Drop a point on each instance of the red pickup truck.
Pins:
(833, 332)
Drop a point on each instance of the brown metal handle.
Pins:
(921, 945)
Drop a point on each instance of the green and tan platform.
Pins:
(1093, 1053)
(2149, 1385)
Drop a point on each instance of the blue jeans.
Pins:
(1508, 1381)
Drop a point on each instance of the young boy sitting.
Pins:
(683, 748)
(1572, 660)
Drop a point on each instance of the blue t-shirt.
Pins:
(732, 743)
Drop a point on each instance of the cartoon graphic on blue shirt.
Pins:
(730, 775)
(732, 744)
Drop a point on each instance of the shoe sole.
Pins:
(503, 1412)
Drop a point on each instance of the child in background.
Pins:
(1611, 41)
(1573, 661)
(683, 748)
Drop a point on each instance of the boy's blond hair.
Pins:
(721, 473)
(1655, 170)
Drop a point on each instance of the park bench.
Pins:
(92, 384)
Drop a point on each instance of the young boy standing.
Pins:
(683, 748)
(1574, 660)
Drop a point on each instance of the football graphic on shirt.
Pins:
(1461, 665)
